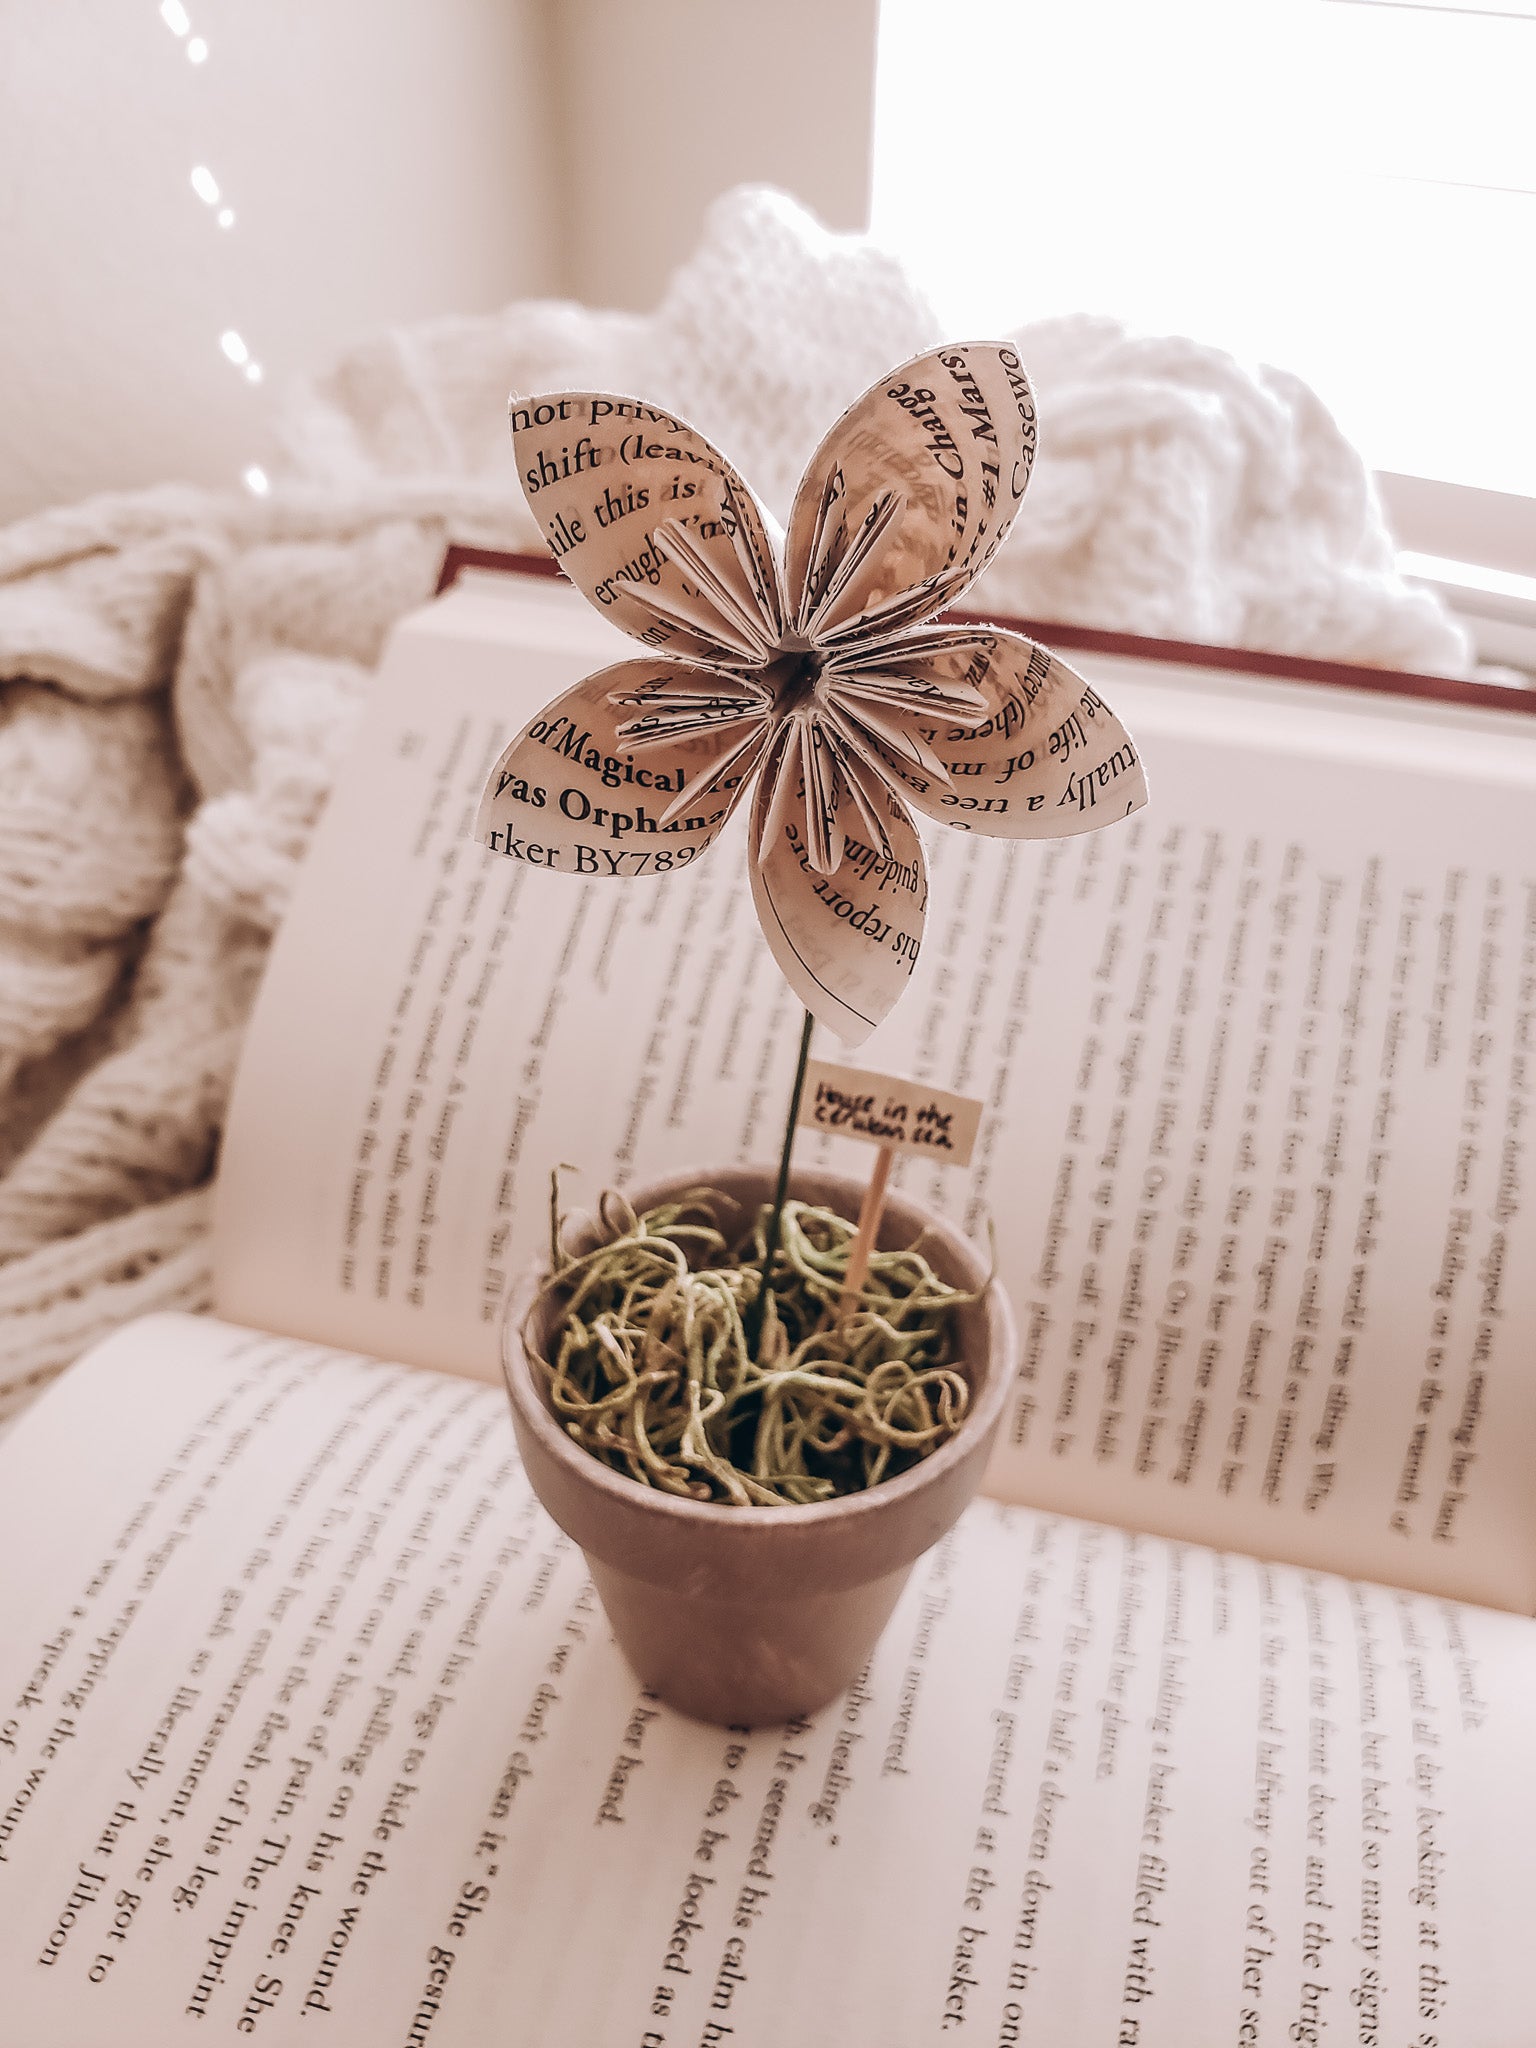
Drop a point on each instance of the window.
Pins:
(1344, 187)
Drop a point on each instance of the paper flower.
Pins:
(806, 668)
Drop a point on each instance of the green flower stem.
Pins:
(774, 1238)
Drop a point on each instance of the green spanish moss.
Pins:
(652, 1370)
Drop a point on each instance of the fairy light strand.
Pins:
(232, 344)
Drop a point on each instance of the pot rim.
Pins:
(905, 1217)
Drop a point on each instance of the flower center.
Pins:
(793, 675)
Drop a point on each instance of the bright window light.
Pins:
(253, 373)
(226, 216)
(1344, 188)
(234, 346)
(197, 50)
(1469, 576)
(256, 481)
(205, 185)
(175, 17)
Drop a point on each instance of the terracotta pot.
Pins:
(741, 1615)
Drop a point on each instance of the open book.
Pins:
(1209, 1727)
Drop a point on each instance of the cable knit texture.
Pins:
(181, 669)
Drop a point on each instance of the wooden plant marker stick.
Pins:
(894, 1116)
(870, 1212)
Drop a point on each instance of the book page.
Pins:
(1257, 1066)
(310, 1730)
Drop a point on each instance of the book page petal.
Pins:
(1050, 758)
(602, 475)
(921, 478)
(570, 796)
(845, 942)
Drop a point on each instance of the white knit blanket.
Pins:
(180, 668)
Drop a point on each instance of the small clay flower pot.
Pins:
(743, 1615)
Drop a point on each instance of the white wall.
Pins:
(385, 159)
(666, 103)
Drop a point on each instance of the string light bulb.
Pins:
(235, 348)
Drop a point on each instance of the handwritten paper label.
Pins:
(883, 1110)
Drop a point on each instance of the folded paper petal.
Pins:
(687, 703)
(569, 795)
(1049, 759)
(922, 674)
(824, 683)
(846, 942)
(917, 485)
(606, 477)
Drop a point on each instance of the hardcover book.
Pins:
(1209, 1724)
